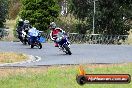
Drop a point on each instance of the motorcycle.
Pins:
(63, 43)
(37, 41)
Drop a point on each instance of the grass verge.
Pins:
(59, 76)
(11, 57)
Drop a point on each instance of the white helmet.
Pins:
(52, 25)
(26, 21)
(20, 20)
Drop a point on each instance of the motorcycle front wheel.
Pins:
(67, 49)
(32, 46)
(24, 42)
(39, 45)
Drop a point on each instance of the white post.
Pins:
(94, 18)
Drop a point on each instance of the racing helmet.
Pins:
(26, 21)
(20, 20)
(52, 25)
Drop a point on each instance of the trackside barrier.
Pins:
(93, 38)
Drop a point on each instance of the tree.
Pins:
(39, 12)
(108, 17)
(82, 10)
(3, 11)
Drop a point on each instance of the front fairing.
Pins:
(61, 39)
(62, 42)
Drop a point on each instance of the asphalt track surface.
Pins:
(81, 54)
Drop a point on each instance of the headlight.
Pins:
(59, 39)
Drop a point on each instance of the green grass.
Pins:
(60, 77)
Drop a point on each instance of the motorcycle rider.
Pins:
(33, 33)
(54, 31)
(19, 28)
(20, 24)
(26, 26)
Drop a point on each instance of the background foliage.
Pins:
(110, 18)
(3, 11)
(39, 12)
